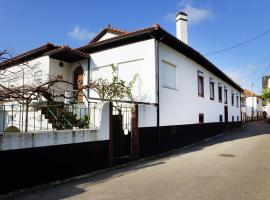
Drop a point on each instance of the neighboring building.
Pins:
(252, 106)
(266, 86)
(266, 82)
(179, 92)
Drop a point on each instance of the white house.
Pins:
(181, 96)
(252, 106)
(266, 87)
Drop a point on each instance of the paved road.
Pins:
(200, 172)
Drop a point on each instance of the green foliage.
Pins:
(266, 95)
(84, 122)
(12, 129)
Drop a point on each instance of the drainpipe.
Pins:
(157, 41)
(158, 99)
(88, 75)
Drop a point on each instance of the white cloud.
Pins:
(195, 14)
(81, 34)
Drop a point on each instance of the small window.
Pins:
(237, 101)
(200, 84)
(201, 118)
(38, 75)
(225, 96)
(61, 64)
(232, 118)
(168, 75)
(212, 89)
(220, 93)
(232, 98)
(10, 118)
(220, 118)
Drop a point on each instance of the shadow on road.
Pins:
(74, 188)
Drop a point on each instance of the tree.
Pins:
(115, 89)
(266, 95)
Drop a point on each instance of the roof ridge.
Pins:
(155, 26)
(109, 28)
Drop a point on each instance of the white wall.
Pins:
(256, 103)
(182, 105)
(15, 78)
(137, 58)
(147, 115)
(108, 36)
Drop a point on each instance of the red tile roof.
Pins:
(248, 93)
(32, 54)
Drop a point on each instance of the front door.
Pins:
(78, 83)
(226, 114)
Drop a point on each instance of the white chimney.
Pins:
(181, 27)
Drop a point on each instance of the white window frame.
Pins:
(174, 67)
(38, 77)
(212, 83)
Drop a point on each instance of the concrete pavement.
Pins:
(236, 166)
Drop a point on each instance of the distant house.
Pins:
(266, 86)
(252, 106)
(181, 96)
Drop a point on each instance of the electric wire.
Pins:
(240, 44)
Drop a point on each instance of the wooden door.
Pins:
(78, 82)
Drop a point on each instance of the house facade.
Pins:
(177, 91)
(252, 106)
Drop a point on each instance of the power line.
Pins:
(239, 44)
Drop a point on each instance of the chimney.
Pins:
(181, 27)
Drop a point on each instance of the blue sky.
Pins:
(213, 25)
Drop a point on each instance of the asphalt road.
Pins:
(236, 166)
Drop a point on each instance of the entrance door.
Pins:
(78, 82)
(121, 140)
(226, 114)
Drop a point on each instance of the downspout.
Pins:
(88, 75)
(157, 41)
(157, 78)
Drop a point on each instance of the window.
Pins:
(38, 76)
(237, 101)
(225, 96)
(212, 89)
(232, 118)
(220, 118)
(168, 75)
(257, 101)
(237, 118)
(232, 98)
(219, 93)
(201, 118)
(200, 84)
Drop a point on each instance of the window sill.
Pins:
(169, 88)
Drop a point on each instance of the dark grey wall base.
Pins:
(24, 168)
(27, 167)
(171, 137)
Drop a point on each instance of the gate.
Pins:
(124, 133)
(121, 129)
